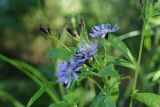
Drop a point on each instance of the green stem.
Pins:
(137, 65)
(95, 83)
(59, 42)
(95, 74)
(105, 49)
(96, 61)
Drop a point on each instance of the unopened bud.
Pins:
(70, 31)
(80, 27)
(44, 29)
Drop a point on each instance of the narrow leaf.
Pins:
(156, 76)
(39, 93)
(31, 72)
(128, 35)
(120, 46)
(118, 61)
(150, 99)
(9, 97)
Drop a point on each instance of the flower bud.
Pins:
(70, 31)
(44, 29)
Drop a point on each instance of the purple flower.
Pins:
(103, 30)
(86, 51)
(67, 71)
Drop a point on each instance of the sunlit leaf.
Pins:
(120, 46)
(129, 35)
(150, 99)
(156, 75)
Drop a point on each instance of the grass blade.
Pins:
(43, 88)
(31, 72)
(13, 100)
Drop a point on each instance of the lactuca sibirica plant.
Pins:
(85, 54)
(85, 62)
(87, 72)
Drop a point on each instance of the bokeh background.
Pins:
(21, 39)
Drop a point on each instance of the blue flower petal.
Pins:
(102, 30)
(67, 71)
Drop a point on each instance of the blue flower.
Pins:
(86, 51)
(67, 71)
(103, 30)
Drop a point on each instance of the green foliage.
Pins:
(150, 99)
(9, 97)
(62, 104)
(62, 53)
(69, 100)
(39, 93)
(103, 100)
(31, 72)
(108, 71)
(94, 76)
(156, 76)
(118, 61)
(120, 46)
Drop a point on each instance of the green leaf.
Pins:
(128, 35)
(109, 71)
(62, 104)
(43, 88)
(156, 9)
(9, 97)
(71, 97)
(62, 53)
(120, 46)
(156, 75)
(150, 99)
(118, 61)
(31, 72)
(115, 92)
(103, 100)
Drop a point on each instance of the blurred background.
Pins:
(21, 39)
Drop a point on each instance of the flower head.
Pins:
(103, 30)
(86, 51)
(67, 71)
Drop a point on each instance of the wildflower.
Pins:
(103, 30)
(67, 71)
(86, 51)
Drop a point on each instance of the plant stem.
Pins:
(96, 60)
(138, 64)
(92, 80)
(59, 42)
(95, 74)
